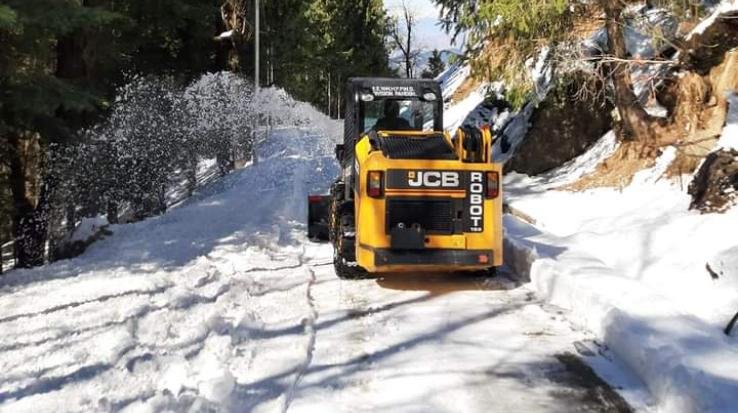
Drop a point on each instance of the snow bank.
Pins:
(630, 265)
(725, 6)
(88, 228)
(174, 313)
(688, 365)
(729, 138)
(454, 116)
(452, 78)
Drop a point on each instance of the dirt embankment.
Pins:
(563, 126)
(695, 97)
(715, 186)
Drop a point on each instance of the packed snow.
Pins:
(729, 138)
(632, 266)
(221, 304)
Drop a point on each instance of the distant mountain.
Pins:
(396, 59)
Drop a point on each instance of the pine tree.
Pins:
(436, 65)
(526, 25)
(35, 101)
(60, 63)
(344, 38)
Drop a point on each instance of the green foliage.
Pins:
(517, 95)
(169, 36)
(8, 17)
(435, 65)
(504, 34)
(343, 38)
(33, 94)
(522, 19)
(62, 60)
(514, 29)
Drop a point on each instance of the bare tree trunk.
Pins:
(403, 38)
(23, 207)
(30, 224)
(338, 98)
(409, 22)
(635, 123)
(70, 216)
(328, 105)
(162, 199)
(191, 172)
(112, 212)
(234, 14)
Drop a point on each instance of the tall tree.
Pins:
(237, 17)
(436, 65)
(529, 24)
(35, 104)
(346, 38)
(402, 29)
(59, 65)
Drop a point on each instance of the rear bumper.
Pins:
(436, 257)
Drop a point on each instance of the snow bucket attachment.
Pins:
(318, 212)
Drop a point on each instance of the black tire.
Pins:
(490, 272)
(341, 221)
(349, 271)
(318, 233)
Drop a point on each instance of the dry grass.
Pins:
(470, 84)
(588, 21)
(700, 110)
(700, 113)
(618, 170)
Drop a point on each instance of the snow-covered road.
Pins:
(438, 343)
(223, 305)
(286, 334)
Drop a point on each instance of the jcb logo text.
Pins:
(433, 179)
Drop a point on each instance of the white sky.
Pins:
(430, 34)
(423, 8)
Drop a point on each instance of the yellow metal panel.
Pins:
(370, 212)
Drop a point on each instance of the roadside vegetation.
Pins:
(98, 96)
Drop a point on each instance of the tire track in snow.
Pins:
(310, 329)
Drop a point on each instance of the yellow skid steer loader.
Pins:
(410, 197)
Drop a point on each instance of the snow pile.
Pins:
(725, 6)
(486, 105)
(632, 267)
(452, 78)
(169, 314)
(88, 228)
(455, 116)
(729, 138)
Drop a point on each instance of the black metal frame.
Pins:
(430, 256)
(457, 204)
(352, 113)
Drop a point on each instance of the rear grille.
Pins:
(407, 147)
(436, 216)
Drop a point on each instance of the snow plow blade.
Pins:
(318, 211)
